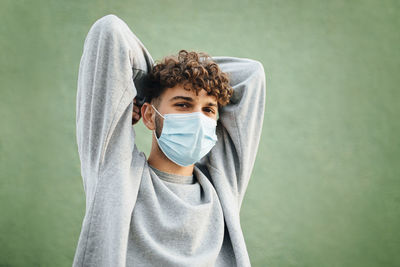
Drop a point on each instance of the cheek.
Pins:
(158, 126)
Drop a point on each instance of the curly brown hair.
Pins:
(194, 70)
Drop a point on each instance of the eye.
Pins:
(209, 110)
(182, 105)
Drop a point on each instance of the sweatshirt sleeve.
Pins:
(112, 59)
(240, 123)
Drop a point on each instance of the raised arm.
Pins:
(112, 59)
(240, 123)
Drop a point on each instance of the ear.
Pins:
(148, 117)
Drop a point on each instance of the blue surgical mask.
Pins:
(186, 137)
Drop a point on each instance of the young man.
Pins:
(179, 207)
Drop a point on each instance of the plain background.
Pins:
(325, 189)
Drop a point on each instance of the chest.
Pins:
(184, 220)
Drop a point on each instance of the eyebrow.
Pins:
(189, 99)
(179, 97)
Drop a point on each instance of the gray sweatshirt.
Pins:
(134, 216)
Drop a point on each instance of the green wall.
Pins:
(325, 190)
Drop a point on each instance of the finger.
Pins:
(135, 119)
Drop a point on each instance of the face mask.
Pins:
(186, 137)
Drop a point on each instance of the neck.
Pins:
(158, 160)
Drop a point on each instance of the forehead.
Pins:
(179, 90)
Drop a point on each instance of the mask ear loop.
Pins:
(157, 111)
(154, 131)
